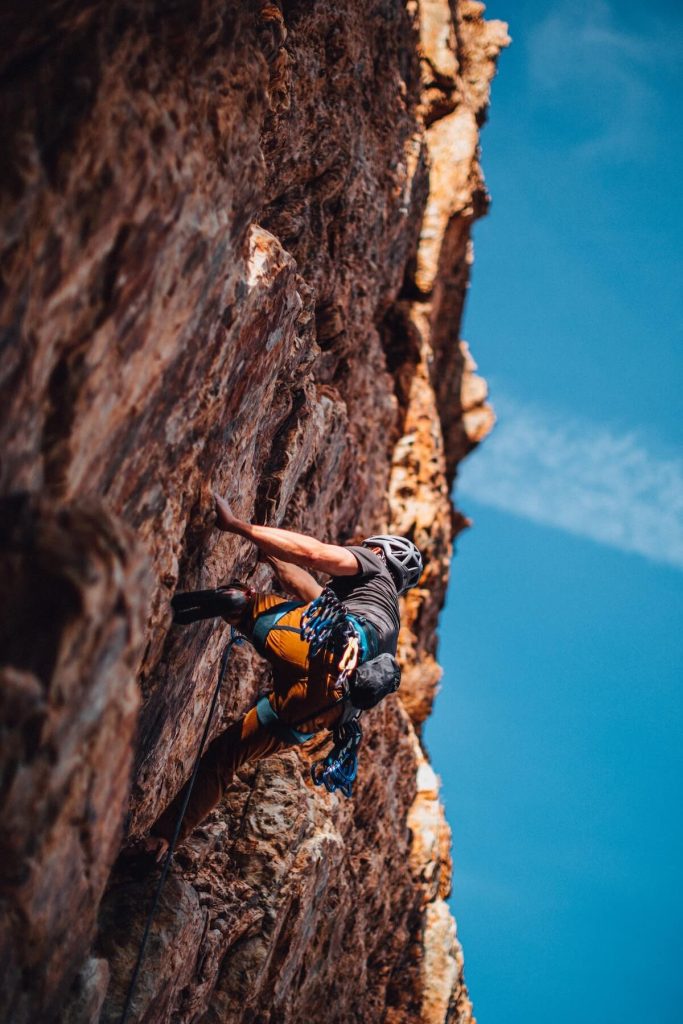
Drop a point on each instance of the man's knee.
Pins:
(237, 600)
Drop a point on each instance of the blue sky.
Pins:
(558, 732)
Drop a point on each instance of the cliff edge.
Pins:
(235, 251)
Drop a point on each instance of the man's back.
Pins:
(371, 594)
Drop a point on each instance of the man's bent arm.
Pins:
(288, 545)
(296, 580)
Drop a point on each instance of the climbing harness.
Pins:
(235, 638)
(270, 620)
(270, 720)
(339, 769)
(327, 626)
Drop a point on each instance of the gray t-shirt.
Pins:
(372, 594)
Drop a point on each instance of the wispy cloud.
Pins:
(582, 478)
(581, 56)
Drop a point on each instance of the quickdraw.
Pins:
(339, 769)
(325, 624)
(323, 621)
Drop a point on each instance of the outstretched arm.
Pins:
(296, 580)
(288, 545)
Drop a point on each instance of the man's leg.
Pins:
(245, 740)
(308, 704)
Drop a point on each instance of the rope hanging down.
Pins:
(235, 638)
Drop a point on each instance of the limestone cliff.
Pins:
(235, 251)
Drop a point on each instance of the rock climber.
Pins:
(367, 578)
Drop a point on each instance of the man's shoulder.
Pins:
(368, 561)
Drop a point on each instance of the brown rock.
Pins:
(74, 591)
(235, 250)
(84, 1006)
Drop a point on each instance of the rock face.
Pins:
(235, 251)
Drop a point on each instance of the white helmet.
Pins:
(403, 558)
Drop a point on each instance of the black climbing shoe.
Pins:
(229, 602)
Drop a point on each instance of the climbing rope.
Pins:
(235, 638)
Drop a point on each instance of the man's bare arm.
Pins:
(296, 580)
(288, 545)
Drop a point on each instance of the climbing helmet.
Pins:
(403, 558)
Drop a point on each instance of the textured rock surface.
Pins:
(73, 600)
(235, 250)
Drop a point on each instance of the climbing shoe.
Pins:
(229, 602)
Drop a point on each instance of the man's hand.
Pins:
(225, 520)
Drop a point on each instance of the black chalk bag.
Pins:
(372, 681)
